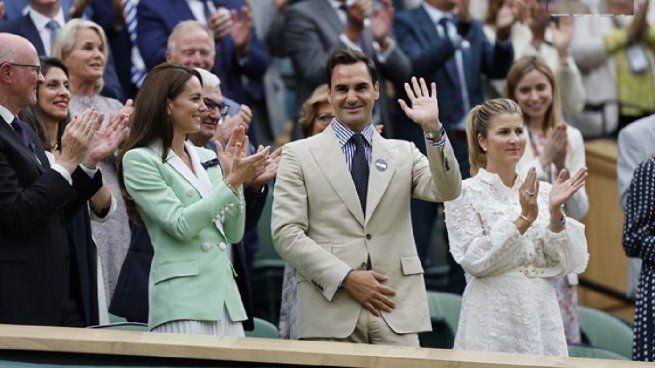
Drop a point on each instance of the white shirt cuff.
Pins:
(346, 41)
(382, 56)
(90, 172)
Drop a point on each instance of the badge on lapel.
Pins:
(381, 165)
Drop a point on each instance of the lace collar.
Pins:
(496, 186)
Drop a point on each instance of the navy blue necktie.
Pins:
(359, 168)
(453, 70)
(18, 128)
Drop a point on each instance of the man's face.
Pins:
(193, 48)
(210, 118)
(352, 94)
(26, 78)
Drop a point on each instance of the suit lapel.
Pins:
(330, 159)
(17, 143)
(31, 33)
(326, 14)
(383, 166)
(429, 30)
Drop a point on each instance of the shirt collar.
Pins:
(494, 179)
(435, 14)
(41, 20)
(6, 114)
(344, 133)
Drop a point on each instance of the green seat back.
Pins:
(444, 315)
(266, 250)
(263, 329)
(606, 331)
(583, 351)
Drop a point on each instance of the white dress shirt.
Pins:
(40, 22)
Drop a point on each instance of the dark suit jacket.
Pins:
(311, 34)
(156, 20)
(37, 255)
(24, 27)
(428, 52)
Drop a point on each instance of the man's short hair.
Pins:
(187, 25)
(349, 57)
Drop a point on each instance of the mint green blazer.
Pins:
(192, 221)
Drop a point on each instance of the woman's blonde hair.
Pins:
(66, 40)
(478, 121)
(520, 69)
(309, 109)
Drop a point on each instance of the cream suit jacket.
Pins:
(319, 228)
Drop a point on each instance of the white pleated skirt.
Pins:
(223, 327)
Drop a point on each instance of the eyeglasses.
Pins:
(325, 118)
(223, 108)
(36, 68)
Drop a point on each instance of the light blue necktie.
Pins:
(53, 27)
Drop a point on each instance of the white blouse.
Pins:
(509, 305)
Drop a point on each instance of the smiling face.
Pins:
(505, 141)
(210, 118)
(324, 115)
(194, 48)
(187, 108)
(26, 79)
(534, 93)
(86, 59)
(54, 94)
(352, 94)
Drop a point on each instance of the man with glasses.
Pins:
(38, 282)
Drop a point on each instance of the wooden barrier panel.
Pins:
(604, 227)
(314, 353)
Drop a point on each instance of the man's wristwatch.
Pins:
(433, 135)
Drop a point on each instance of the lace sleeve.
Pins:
(568, 248)
(482, 250)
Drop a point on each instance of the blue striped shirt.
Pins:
(347, 146)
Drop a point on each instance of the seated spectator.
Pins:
(510, 236)
(190, 208)
(553, 146)
(82, 46)
(639, 242)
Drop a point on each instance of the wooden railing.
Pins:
(234, 351)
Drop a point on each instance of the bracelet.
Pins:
(231, 187)
(558, 224)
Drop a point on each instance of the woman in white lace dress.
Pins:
(510, 235)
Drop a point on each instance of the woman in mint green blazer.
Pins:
(193, 211)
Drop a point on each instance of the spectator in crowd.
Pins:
(639, 242)
(316, 114)
(82, 46)
(553, 146)
(48, 118)
(39, 198)
(510, 235)
(191, 212)
(41, 24)
(613, 54)
(635, 144)
(452, 51)
(356, 259)
(536, 33)
(316, 28)
(238, 53)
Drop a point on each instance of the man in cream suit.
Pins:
(341, 212)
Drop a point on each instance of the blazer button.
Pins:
(206, 246)
(189, 192)
(222, 246)
(368, 236)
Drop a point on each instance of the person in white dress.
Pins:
(510, 236)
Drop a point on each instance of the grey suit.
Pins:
(635, 145)
(312, 31)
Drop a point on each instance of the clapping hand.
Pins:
(76, 140)
(2, 10)
(237, 145)
(381, 22)
(220, 23)
(563, 189)
(270, 169)
(242, 168)
(556, 147)
(528, 193)
(241, 29)
(562, 34)
(104, 143)
(425, 108)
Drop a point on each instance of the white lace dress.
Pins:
(505, 308)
